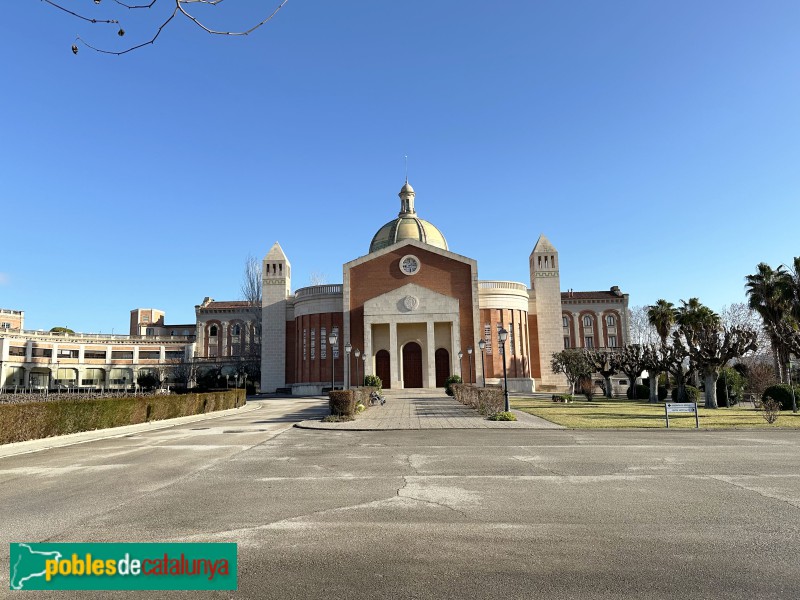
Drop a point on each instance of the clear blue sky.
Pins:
(657, 145)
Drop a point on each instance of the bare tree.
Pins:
(317, 278)
(712, 346)
(573, 364)
(641, 330)
(162, 13)
(251, 293)
(630, 360)
(739, 314)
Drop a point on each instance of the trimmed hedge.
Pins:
(342, 403)
(692, 394)
(36, 420)
(565, 398)
(486, 400)
(783, 394)
(642, 392)
(448, 384)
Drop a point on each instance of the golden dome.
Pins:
(407, 226)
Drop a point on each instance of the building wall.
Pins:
(439, 273)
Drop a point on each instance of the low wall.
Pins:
(35, 420)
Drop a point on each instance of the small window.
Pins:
(566, 342)
(587, 321)
(236, 330)
(213, 331)
(565, 321)
(588, 342)
(611, 321)
(612, 341)
(5, 325)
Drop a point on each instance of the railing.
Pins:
(319, 290)
(502, 285)
(97, 336)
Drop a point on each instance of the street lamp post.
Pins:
(503, 335)
(469, 360)
(347, 350)
(332, 339)
(791, 387)
(357, 354)
(364, 360)
(460, 363)
(482, 346)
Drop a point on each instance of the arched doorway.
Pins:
(412, 365)
(382, 368)
(442, 367)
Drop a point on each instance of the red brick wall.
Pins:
(437, 273)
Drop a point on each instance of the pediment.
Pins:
(411, 299)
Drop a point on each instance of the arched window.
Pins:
(213, 331)
(236, 330)
(587, 321)
(565, 321)
(611, 321)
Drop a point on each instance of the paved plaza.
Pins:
(428, 514)
(426, 409)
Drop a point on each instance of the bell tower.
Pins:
(276, 285)
(545, 303)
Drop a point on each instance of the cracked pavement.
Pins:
(430, 513)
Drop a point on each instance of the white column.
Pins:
(224, 338)
(368, 348)
(431, 354)
(599, 341)
(394, 357)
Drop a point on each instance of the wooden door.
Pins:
(412, 365)
(382, 369)
(442, 367)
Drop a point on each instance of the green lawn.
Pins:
(604, 413)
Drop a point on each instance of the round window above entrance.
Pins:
(409, 265)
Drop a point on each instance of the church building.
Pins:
(413, 312)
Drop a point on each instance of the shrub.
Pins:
(586, 387)
(373, 381)
(449, 382)
(642, 392)
(730, 379)
(770, 409)
(503, 416)
(486, 400)
(662, 393)
(782, 394)
(342, 403)
(692, 394)
(565, 398)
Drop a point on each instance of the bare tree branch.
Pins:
(215, 32)
(74, 14)
(132, 48)
(180, 7)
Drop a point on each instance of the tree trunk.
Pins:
(653, 389)
(607, 379)
(711, 388)
(680, 388)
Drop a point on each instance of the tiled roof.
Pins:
(588, 295)
(228, 304)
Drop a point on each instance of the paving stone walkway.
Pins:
(427, 409)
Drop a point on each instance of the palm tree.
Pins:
(693, 314)
(767, 292)
(662, 316)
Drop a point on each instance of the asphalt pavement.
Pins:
(475, 513)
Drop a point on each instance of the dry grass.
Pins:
(622, 414)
